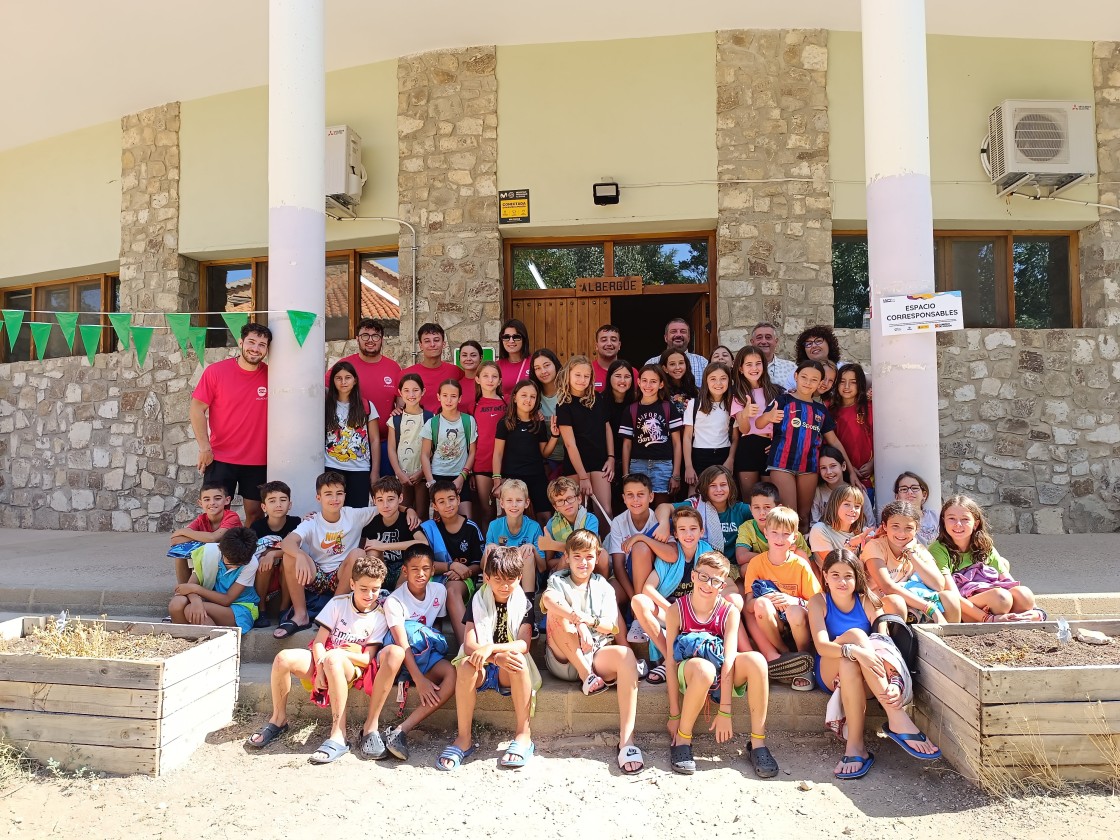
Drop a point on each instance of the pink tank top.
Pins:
(691, 624)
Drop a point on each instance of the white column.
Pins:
(296, 242)
(900, 238)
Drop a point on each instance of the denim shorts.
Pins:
(659, 472)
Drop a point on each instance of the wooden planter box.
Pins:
(993, 722)
(113, 715)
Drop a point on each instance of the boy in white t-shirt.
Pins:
(344, 654)
(420, 600)
(638, 518)
(320, 553)
(582, 623)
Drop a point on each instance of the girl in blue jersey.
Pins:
(800, 425)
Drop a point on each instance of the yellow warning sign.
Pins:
(513, 207)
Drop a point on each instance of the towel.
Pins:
(205, 561)
(485, 612)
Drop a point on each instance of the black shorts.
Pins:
(704, 458)
(538, 491)
(238, 478)
(751, 454)
(357, 486)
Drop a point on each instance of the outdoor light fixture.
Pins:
(605, 192)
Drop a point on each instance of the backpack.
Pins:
(466, 418)
(903, 636)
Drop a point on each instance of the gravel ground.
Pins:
(572, 789)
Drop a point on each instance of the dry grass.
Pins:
(77, 638)
(1024, 770)
(14, 766)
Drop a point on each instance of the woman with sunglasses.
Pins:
(513, 352)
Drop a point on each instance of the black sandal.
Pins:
(680, 757)
(762, 760)
(268, 733)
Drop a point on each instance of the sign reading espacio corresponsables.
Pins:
(936, 312)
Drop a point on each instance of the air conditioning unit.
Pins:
(345, 174)
(1049, 144)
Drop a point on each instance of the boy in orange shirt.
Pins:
(776, 585)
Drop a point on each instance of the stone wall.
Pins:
(1100, 243)
(774, 238)
(447, 123)
(154, 276)
(1030, 425)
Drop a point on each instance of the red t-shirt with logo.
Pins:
(377, 382)
(202, 522)
(238, 415)
(432, 377)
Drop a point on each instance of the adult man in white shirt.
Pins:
(678, 335)
(764, 336)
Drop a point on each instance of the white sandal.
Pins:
(590, 681)
(630, 754)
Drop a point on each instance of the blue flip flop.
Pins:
(864, 766)
(901, 738)
(521, 755)
(455, 755)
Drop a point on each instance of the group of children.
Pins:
(723, 585)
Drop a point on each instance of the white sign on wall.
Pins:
(936, 312)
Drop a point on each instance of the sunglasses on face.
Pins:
(512, 337)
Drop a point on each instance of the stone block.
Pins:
(1049, 520)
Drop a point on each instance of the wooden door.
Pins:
(700, 321)
(561, 321)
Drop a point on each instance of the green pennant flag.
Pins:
(40, 333)
(235, 321)
(67, 322)
(180, 325)
(141, 340)
(121, 322)
(301, 323)
(91, 339)
(198, 342)
(13, 320)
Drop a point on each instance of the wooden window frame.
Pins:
(352, 256)
(608, 241)
(1006, 305)
(105, 278)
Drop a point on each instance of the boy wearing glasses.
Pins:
(701, 635)
(582, 621)
(431, 368)
(377, 379)
(570, 516)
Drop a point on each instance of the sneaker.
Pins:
(636, 634)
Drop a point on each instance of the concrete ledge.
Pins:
(561, 708)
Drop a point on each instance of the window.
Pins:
(371, 279)
(1025, 280)
(84, 295)
(681, 260)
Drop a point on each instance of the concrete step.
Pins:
(562, 708)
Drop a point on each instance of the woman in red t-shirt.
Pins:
(513, 352)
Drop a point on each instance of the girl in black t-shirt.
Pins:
(583, 424)
(620, 392)
(522, 442)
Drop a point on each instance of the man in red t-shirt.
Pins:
(378, 376)
(608, 343)
(229, 417)
(431, 368)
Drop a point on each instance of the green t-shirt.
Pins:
(944, 561)
(729, 522)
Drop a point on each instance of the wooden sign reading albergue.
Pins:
(598, 286)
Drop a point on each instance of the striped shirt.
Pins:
(798, 435)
